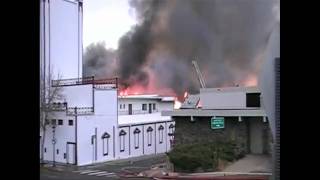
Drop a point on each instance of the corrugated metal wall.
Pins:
(277, 119)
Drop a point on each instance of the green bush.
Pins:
(189, 157)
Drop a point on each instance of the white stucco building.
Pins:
(91, 124)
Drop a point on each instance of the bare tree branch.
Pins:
(48, 95)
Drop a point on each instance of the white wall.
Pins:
(161, 147)
(149, 149)
(133, 151)
(136, 104)
(63, 133)
(86, 128)
(65, 36)
(80, 96)
(105, 103)
(105, 120)
(223, 100)
(125, 153)
(166, 105)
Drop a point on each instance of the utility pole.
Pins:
(54, 143)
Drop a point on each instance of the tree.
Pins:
(48, 95)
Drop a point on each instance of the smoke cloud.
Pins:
(227, 38)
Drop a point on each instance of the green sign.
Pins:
(217, 122)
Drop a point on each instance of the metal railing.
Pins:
(71, 110)
(80, 110)
(134, 112)
(85, 80)
(59, 106)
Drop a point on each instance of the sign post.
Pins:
(217, 122)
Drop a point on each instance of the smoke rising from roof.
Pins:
(228, 38)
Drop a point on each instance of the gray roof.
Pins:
(191, 101)
(215, 112)
(252, 89)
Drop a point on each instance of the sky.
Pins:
(106, 20)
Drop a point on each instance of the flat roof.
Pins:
(249, 89)
(215, 112)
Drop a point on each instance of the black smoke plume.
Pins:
(227, 38)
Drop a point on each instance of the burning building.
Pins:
(88, 122)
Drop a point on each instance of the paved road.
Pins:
(109, 170)
(251, 163)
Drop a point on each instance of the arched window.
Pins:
(171, 129)
(105, 143)
(171, 133)
(122, 140)
(149, 135)
(160, 129)
(136, 133)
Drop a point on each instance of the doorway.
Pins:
(256, 135)
(94, 146)
(71, 153)
(130, 109)
(150, 108)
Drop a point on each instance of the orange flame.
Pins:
(185, 95)
(177, 104)
(251, 81)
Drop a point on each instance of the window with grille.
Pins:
(105, 143)
(171, 129)
(136, 133)
(70, 122)
(122, 140)
(160, 129)
(144, 107)
(149, 135)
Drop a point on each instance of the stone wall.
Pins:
(199, 131)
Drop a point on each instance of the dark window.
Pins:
(120, 106)
(123, 106)
(60, 122)
(105, 143)
(154, 106)
(45, 149)
(53, 122)
(253, 99)
(130, 109)
(144, 107)
(70, 122)
(64, 155)
(57, 151)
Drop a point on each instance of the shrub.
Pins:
(189, 157)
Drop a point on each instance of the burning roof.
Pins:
(148, 96)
